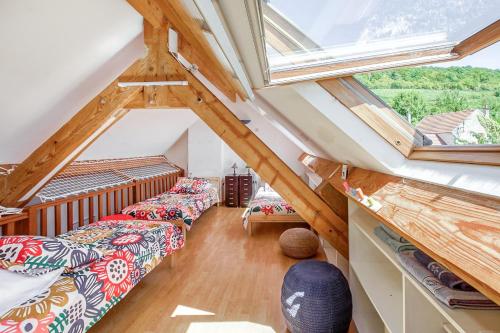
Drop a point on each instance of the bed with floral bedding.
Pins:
(186, 201)
(268, 206)
(80, 297)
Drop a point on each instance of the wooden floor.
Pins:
(223, 281)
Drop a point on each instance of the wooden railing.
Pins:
(13, 224)
(56, 217)
(148, 188)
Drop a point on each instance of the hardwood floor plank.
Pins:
(221, 271)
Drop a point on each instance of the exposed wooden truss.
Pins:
(255, 153)
(456, 228)
(194, 46)
(54, 154)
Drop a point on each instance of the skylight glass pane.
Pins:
(314, 32)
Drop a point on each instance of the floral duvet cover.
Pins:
(168, 207)
(76, 301)
(267, 203)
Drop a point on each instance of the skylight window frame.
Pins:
(398, 132)
(307, 72)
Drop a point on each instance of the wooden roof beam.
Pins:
(257, 155)
(193, 44)
(150, 10)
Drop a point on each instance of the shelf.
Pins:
(455, 227)
(381, 280)
(364, 314)
(432, 315)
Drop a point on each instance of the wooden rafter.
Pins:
(69, 141)
(265, 162)
(254, 152)
(150, 10)
(194, 47)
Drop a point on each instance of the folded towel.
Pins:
(448, 278)
(393, 235)
(451, 297)
(394, 244)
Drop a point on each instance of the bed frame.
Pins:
(291, 218)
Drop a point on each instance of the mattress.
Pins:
(76, 301)
(169, 207)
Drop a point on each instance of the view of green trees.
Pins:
(417, 92)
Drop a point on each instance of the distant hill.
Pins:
(421, 91)
(435, 78)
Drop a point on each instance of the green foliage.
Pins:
(450, 101)
(492, 128)
(422, 91)
(411, 105)
(436, 78)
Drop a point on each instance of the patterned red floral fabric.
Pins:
(267, 203)
(34, 255)
(77, 300)
(169, 207)
(186, 185)
(121, 217)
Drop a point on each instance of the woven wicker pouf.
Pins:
(315, 297)
(299, 243)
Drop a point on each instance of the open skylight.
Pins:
(315, 33)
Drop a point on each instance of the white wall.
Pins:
(204, 151)
(178, 152)
(56, 55)
(141, 133)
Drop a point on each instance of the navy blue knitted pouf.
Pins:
(315, 298)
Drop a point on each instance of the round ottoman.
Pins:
(299, 243)
(315, 297)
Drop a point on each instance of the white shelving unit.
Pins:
(387, 299)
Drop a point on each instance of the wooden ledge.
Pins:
(461, 230)
(480, 154)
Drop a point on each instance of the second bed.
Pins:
(269, 207)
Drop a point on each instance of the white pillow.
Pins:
(18, 288)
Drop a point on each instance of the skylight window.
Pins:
(308, 34)
(454, 103)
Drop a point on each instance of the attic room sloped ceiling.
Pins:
(54, 61)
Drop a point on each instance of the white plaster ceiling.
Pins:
(56, 55)
(141, 133)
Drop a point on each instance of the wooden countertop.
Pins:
(461, 230)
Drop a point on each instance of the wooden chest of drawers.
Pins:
(238, 190)
(231, 191)
(245, 190)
